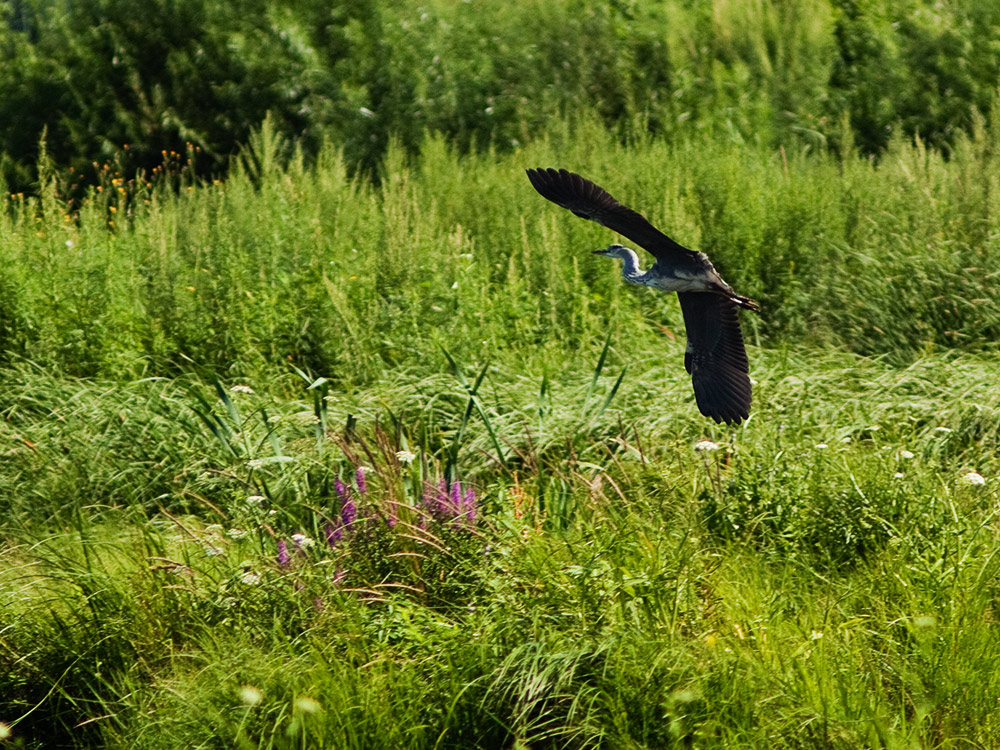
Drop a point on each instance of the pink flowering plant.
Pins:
(325, 514)
(389, 525)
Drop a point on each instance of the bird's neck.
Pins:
(630, 269)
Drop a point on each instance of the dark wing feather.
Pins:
(716, 357)
(590, 201)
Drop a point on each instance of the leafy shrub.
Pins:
(130, 83)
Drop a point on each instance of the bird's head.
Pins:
(613, 251)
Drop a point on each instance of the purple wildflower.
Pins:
(470, 505)
(333, 534)
(390, 515)
(456, 498)
(341, 490)
(436, 499)
(348, 512)
(360, 478)
(282, 553)
(348, 509)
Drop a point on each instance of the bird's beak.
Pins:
(602, 251)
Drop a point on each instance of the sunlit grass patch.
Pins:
(403, 467)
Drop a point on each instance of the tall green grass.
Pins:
(287, 264)
(823, 577)
(193, 381)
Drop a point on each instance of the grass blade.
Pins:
(599, 368)
(614, 390)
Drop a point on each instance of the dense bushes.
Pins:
(138, 81)
(167, 77)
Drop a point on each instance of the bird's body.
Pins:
(700, 276)
(715, 356)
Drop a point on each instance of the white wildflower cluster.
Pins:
(405, 457)
(239, 388)
(974, 478)
(307, 705)
(250, 695)
(704, 446)
(250, 577)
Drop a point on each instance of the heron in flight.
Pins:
(715, 356)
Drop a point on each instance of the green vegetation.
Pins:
(361, 447)
(133, 83)
(286, 264)
(541, 555)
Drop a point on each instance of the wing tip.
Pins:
(723, 394)
(732, 414)
(731, 419)
(544, 179)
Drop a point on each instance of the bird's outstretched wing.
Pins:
(590, 201)
(716, 357)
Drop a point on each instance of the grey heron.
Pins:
(715, 356)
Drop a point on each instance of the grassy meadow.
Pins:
(292, 461)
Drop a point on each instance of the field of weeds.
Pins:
(290, 460)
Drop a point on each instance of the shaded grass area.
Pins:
(824, 577)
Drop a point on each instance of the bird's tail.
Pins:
(746, 303)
